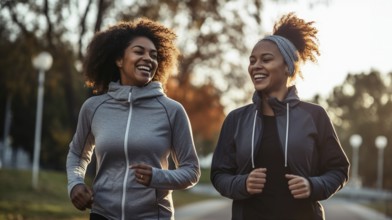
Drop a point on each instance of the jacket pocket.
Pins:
(164, 202)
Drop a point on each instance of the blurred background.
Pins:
(41, 94)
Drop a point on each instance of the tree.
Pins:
(211, 38)
(363, 105)
(204, 109)
(24, 38)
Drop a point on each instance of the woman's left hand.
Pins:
(143, 173)
(299, 186)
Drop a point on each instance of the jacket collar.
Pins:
(122, 92)
(279, 107)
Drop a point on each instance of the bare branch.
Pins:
(10, 5)
(83, 29)
(50, 27)
(103, 5)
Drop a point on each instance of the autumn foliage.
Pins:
(204, 110)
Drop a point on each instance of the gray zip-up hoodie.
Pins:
(130, 125)
(309, 144)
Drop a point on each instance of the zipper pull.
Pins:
(129, 97)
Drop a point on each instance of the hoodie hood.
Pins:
(121, 92)
(279, 107)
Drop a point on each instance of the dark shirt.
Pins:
(276, 201)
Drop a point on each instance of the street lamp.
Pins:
(355, 141)
(42, 63)
(381, 143)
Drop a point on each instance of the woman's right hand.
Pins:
(82, 197)
(256, 180)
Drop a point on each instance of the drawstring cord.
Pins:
(253, 140)
(287, 134)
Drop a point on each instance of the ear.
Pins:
(119, 63)
(286, 70)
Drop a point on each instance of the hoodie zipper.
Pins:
(126, 158)
(286, 137)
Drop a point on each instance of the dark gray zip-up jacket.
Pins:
(309, 143)
(130, 125)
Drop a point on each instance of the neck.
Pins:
(266, 109)
(264, 96)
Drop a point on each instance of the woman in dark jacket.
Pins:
(277, 157)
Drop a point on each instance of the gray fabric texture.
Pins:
(157, 127)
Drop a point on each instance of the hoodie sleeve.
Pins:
(224, 168)
(333, 164)
(80, 148)
(183, 152)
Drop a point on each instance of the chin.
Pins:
(259, 88)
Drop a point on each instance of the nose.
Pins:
(147, 57)
(256, 66)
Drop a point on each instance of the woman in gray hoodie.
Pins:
(132, 127)
(279, 156)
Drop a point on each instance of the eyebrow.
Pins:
(262, 55)
(141, 47)
(267, 53)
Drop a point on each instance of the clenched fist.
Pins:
(256, 180)
(299, 186)
(82, 197)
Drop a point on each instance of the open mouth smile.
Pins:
(259, 76)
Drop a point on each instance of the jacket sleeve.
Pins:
(224, 169)
(80, 149)
(183, 152)
(333, 165)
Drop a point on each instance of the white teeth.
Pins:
(146, 68)
(259, 76)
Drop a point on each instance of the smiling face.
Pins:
(268, 70)
(139, 63)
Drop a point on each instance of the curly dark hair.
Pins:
(302, 34)
(99, 66)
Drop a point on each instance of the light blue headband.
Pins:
(287, 49)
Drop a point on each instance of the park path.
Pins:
(336, 208)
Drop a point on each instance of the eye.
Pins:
(154, 56)
(139, 52)
(252, 61)
(267, 58)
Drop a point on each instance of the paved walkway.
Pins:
(342, 209)
(220, 209)
(216, 209)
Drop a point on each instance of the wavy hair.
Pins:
(99, 65)
(302, 34)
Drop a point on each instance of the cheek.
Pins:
(249, 69)
(277, 68)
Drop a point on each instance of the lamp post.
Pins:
(42, 63)
(381, 143)
(355, 141)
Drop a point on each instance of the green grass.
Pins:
(205, 176)
(19, 201)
